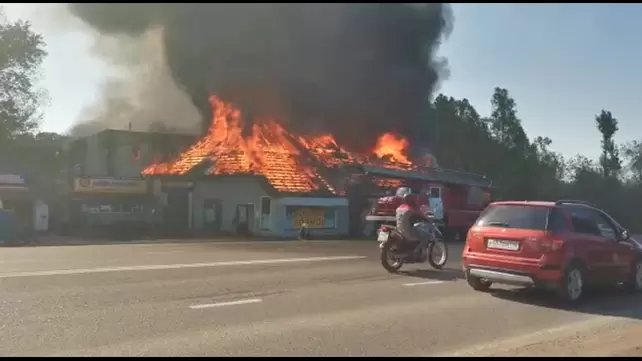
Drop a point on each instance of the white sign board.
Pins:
(12, 179)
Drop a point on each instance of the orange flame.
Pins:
(286, 160)
(392, 146)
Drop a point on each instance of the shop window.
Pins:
(132, 207)
(9, 205)
(111, 207)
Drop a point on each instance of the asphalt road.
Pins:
(321, 298)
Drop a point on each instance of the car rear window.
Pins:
(515, 216)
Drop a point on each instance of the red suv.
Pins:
(564, 246)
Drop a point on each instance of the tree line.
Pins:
(526, 169)
(495, 145)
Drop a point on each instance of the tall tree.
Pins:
(610, 159)
(632, 152)
(44, 160)
(516, 165)
(21, 54)
(504, 124)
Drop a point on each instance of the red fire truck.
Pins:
(456, 198)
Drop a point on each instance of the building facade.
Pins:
(105, 183)
(246, 203)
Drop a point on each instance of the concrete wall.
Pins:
(93, 155)
(125, 164)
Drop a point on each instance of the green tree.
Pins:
(504, 124)
(21, 54)
(516, 164)
(465, 141)
(520, 168)
(43, 158)
(549, 169)
(610, 159)
(632, 152)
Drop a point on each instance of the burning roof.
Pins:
(295, 164)
(289, 162)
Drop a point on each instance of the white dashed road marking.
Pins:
(230, 303)
(434, 282)
(165, 252)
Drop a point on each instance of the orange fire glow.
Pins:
(392, 146)
(286, 160)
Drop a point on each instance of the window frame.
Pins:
(593, 214)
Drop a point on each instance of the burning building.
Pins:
(320, 86)
(269, 181)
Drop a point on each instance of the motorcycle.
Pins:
(396, 250)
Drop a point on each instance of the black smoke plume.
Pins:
(354, 70)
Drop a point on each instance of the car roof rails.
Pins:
(573, 201)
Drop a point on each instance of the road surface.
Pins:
(324, 298)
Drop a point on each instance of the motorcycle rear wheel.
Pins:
(387, 254)
(441, 262)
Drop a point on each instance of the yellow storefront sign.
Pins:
(108, 185)
(313, 218)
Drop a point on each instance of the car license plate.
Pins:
(383, 236)
(503, 244)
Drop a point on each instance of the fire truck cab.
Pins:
(455, 198)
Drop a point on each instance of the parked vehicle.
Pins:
(396, 250)
(564, 246)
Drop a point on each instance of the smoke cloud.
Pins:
(139, 93)
(354, 70)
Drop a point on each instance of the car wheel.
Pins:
(477, 283)
(571, 290)
(634, 281)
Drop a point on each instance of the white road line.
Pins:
(230, 303)
(422, 283)
(165, 252)
(175, 266)
(226, 243)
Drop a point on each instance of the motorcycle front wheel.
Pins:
(437, 254)
(389, 259)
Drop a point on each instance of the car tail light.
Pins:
(550, 245)
(474, 237)
(474, 240)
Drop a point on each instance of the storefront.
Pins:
(16, 196)
(97, 204)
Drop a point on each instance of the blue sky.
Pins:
(562, 63)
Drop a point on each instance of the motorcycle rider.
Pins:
(406, 213)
